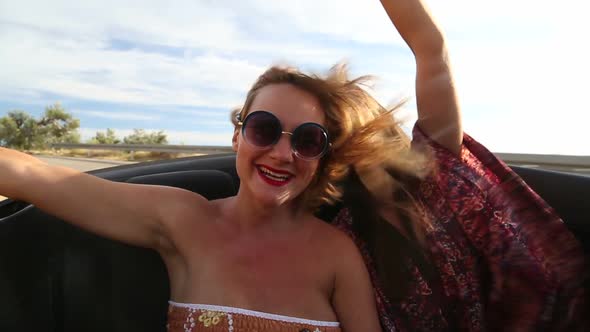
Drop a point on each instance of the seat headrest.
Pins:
(211, 184)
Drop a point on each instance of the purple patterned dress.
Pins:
(503, 259)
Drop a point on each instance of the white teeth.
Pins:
(273, 175)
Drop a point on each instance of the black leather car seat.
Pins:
(56, 277)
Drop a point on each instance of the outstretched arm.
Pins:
(126, 212)
(438, 108)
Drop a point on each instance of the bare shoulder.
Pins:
(180, 211)
(337, 243)
(352, 299)
(181, 200)
(184, 205)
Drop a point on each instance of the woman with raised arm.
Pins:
(468, 246)
(441, 235)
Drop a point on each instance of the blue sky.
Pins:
(180, 66)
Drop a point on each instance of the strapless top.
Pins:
(186, 317)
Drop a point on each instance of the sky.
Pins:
(521, 67)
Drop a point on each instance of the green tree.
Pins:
(19, 130)
(59, 126)
(105, 138)
(140, 136)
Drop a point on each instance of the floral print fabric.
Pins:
(503, 259)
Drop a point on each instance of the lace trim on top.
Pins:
(259, 314)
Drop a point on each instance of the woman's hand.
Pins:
(438, 108)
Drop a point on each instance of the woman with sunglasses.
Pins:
(437, 260)
(258, 261)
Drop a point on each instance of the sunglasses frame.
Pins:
(325, 149)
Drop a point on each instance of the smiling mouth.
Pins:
(273, 177)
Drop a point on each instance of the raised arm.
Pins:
(438, 108)
(126, 212)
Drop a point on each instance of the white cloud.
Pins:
(520, 66)
(117, 115)
(120, 76)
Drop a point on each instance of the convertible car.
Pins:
(56, 277)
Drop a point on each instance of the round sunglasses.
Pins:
(263, 129)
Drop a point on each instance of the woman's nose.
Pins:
(282, 149)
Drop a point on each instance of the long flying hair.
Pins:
(371, 157)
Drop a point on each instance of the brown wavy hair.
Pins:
(365, 136)
(371, 161)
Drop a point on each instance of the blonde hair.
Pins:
(365, 136)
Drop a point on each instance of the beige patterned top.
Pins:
(183, 317)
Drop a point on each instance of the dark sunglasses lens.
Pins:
(310, 140)
(261, 129)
